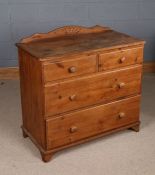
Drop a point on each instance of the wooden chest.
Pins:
(78, 84)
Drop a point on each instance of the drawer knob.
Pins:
(122, 60)
(121, 115)
(72, 97)
(121, 85)
(73, 129)
(72, 69)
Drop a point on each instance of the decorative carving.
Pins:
(65, 31)
(71, 30)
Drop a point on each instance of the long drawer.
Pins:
(89, 90)
(72, 127)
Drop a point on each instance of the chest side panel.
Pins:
(32, 96)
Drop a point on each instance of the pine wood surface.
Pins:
(13, 72)
(70, 68)
(77, 43)
(78, 84)
(72, 127)
(121, 58)
(88, 90)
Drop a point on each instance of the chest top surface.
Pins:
(74, 40)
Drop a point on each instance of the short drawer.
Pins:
(121, 58)
(69, 128)
(102, 87)
(70, 68)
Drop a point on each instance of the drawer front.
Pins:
(102, 87)
(69, 128)
(121, 58)
(70, 68)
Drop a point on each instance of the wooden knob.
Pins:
(121, 85)
(122, 60)
(72, 69)
(73, 129)
(121, 115)
(72, 97)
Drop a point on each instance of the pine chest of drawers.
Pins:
(78, 84)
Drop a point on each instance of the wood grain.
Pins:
(32, 96)
(50, 152)
(91, 89)
(13, 72)
(149, 67)
(65, 31)
(78, 84)
(63, 69)
(55, 48)
(121, 58)
(91, 121)
(9, 73)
